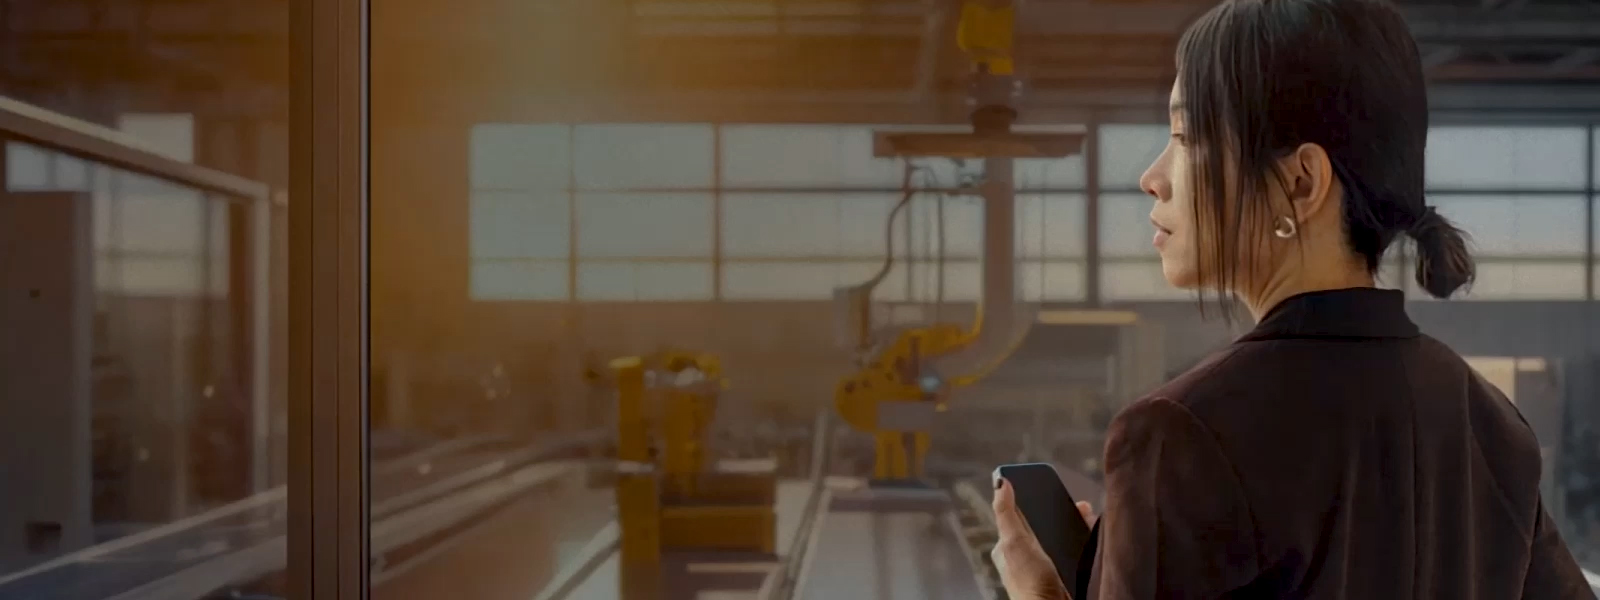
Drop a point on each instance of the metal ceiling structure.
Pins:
(1521, 55)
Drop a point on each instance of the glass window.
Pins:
(643, 156)
(1126, 151)
(165, 429)
(1050, 226)
(1125, 229)
(519, 225)
(1537, 225)
(1051, 281)
(1137, 280)
(1516, 158)
(644, 225)
(825, 156)
(641, 280)
(519, 280)
(508, 156)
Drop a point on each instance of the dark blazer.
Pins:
(1333, 452)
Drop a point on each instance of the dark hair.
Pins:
(1259, 78)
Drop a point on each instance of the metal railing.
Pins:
(794, 558)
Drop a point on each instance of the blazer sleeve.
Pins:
(1552, 571)
(1176, 523)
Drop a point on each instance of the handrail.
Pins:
(82, 139)
(794, 559)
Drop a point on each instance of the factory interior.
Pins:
(326, 300)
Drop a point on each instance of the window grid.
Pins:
(1531, 264)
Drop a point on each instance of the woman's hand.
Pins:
(1025, 570)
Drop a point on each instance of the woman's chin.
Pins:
(1182, 277)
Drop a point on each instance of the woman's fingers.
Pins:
(1007, 519)
(1087, 512)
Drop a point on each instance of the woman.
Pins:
(1332, 452)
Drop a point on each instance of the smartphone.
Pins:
(1051, 513)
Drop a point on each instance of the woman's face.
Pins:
(1167, 180)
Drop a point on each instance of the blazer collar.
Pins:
(1346, 313)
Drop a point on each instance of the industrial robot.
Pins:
(670, 496)
(905, 377)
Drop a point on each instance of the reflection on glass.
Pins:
(135, 406)
(524, 240)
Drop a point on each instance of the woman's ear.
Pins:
(1308, 181)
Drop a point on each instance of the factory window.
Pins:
(1529, 247)
(520, 211)
(1126, 151)
(643, 156)
(505, 156)
(824, 157)
(1056, 174)
(644, 246)
(1506, 158)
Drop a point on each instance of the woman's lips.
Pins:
(1161, 236)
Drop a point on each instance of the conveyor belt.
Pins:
(889, 544)
(413, 496)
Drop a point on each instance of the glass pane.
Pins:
(1508, 158)
(1125, 229)
(643, 156)
(509, 156)
(1126, 151)
(826, 156)
(1138, 280)
(1541, 225)
(144, 311)
(691, 183)
(644, 225)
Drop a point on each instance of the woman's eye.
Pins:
(1182, 141)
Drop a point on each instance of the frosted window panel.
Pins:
(519, 225)
(28, 167)
(782, 281)
(1522, 281)
(171, 223)
(804, 156)
(962, 228)
(919, 282)
(1126, 151)
(1051, 281)
(1051, 226)
(1125, 229)
(1049, 174)
(1138, 281)
(634, 281)
(643, 156)
(167, 134)
(1065, 173)
(862, 224)
(1506, 157)
(1518, 225)
(72, 173)
(519, 280)
(804, 224)
(509, 156)
(633, 225)
(780, 225)
(151, 276)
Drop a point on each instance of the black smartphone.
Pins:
(1051, 513)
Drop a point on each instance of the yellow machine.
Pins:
(899, 386)
(669, 497)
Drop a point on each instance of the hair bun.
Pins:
(1443, 263)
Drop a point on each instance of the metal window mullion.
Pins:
(328, 487)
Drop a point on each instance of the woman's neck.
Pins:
(1287, 283)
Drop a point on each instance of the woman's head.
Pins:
(1297, 152)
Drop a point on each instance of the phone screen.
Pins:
(1052, 515)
